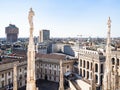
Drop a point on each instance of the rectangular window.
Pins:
(20, 77)
(9, 81)
(2, 84)
(81, 63)
(25, 68)
(25, 75)
(20, 70)
(67, 66)
(20, 84)
(8, 73)
(54, 72)
(2, 75)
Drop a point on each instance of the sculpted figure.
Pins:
(30, 17)
(109, 22)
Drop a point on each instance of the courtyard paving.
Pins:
(45, 85)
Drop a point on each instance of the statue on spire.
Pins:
(31, 79)
(109, 23)
(30, 17)
(107, 72)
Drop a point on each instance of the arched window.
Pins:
(87, 64)
(118, 62)
(96, 67)
(101, 79)
(87, 74)
(101, 68)
(113, 61)
(83, 73)
(80, 72)
(96, 79)
(80, 62)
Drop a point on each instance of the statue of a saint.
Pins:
(109, 22)
(30, 17)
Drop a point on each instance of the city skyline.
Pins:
(64, 18)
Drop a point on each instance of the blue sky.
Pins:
(64, 18)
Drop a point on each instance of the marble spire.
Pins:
(61, 83)
(31, 85)
(107, 72)
(15, 77)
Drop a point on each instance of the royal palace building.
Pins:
(47, 67)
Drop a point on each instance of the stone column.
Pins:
(78, 64)
(93, 77)
(15, 77)
(61, 85)
(5, 78)
(90, 75)
(85, 73)
(82, 63)
(89, 66)
(82, 72)
(98, 73)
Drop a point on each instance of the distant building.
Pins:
(44, 35)
(57, 47)
(68, 50)
(11, 33)
(41, 48)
